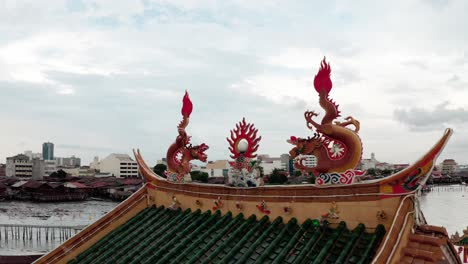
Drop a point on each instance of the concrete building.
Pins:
(70, 162)
(285, 161)
(162, 161)
(270, 163)
(2, 170)
(218, 168)
(83, 171)
(49, 167)
(48, 151)
(369, 163)
(449, 167)
(38, 169)
(95, 163)
(400, 166)
(18, 166)
(310, 161)
(384, 166)
(32, 155)
(119, 165)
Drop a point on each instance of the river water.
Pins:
(447, 206)
(443, 206)
(45, 214)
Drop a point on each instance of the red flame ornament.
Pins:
(187, 105)
(322, 81)
(245, 131)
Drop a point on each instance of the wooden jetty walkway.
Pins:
(38, 232)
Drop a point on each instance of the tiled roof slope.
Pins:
(427, 245)
(159, 235)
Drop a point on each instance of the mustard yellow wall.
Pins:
(404, 239)
(352, 212)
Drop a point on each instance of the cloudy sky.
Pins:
(96, 77)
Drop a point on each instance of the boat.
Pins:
(339, 219)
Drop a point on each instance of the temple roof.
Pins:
(428, 244)
(160, 235)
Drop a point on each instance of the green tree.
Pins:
(297, 173)
(278, 176)
(312, 179)
(371, 171)
(159, 169)
(386, 172)
(62, 174)
(58, 174)
(199, 176)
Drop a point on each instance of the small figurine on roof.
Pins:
(262, 207)
(217, 204)
(239, 206)
(175, 203)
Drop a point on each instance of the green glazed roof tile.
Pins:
(160, 235)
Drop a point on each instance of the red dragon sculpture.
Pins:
(336, 147)
(181, 152)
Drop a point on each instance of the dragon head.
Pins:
(304, 146)
(198, 152)
(322, 81)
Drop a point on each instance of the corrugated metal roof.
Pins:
(75, 185)
(19, 184)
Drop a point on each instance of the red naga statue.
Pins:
(181, 152)
(336, 147)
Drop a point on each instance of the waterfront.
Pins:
(45, 214)
(446, 206)
(443, 206)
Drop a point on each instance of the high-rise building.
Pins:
(48, 151)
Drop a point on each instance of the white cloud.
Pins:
(133, 61)
(297, 58)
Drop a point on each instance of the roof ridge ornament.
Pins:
(243, 143)
(181, 152)
(337, 148)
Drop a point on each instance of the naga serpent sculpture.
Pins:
(336, 147)
(181, 152)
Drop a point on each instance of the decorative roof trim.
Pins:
(383, 246)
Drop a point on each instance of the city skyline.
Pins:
(100, 77)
